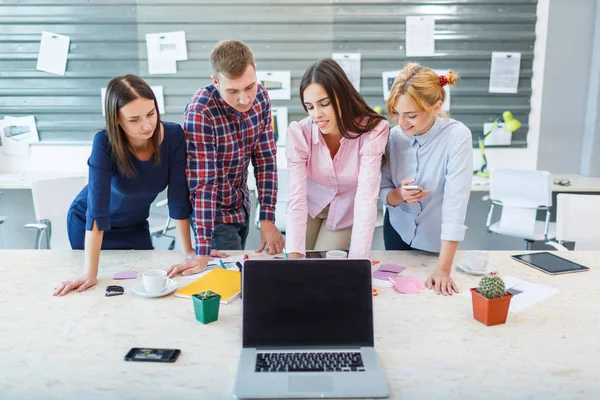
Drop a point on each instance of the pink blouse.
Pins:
(348, 183)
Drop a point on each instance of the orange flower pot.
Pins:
(490, 311)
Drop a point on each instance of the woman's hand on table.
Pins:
(442, 283)
(82, 283)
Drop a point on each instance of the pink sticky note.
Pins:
(383, 275)
(125, 275)
(409, 284)
(392, 268)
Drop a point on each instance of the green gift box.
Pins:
(206, 306)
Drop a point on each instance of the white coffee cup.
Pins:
(155, 281)
(336, 254)
(478, 260)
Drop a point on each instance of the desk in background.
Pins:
(579, 184)
(23, 180)
(430, 346)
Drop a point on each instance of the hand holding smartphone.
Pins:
(412, 187)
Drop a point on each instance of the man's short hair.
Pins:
(231, 58)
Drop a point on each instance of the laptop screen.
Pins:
(296, 303)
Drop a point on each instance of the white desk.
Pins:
(579, 184)
(430, 346)
(8, 181)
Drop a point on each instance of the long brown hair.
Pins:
(356, 116)
(120, 91)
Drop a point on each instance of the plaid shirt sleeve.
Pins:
(201, 176)
(264, 160)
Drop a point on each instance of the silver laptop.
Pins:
(307, 331)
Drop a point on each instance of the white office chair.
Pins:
(2, 219)
(162, 230)
(282, 199)
(521, 194)
(51, 201)
(577, 220)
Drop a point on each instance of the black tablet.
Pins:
(550, 263)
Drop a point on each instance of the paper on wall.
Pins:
(350, 63)
(387, 78)
(279, 117)
(52, 57)
(498, 137)
(169, 44)
(21, 129)
(420, 39)
(164, 50)
(277, 83)
(10, 146)
(504, 72)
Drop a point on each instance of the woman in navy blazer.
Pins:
(133, 160)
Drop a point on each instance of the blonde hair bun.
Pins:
(451, 77)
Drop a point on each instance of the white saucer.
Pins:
(138, 289)
(463, 266)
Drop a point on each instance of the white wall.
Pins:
(526, 158)
(74, 158)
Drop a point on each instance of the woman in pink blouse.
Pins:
(334, 160)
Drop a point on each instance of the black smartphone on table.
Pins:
(152, 355)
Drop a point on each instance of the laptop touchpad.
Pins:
(310, 384)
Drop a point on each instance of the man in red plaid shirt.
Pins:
(227, 125)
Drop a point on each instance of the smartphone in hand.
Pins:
(152, 355)
(412, 187)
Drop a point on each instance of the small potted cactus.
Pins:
(206, 306)
(490, 300)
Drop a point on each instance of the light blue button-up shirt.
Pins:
(441, 161)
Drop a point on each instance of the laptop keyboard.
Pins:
(309, 362)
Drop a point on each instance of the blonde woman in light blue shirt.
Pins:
(426, 181)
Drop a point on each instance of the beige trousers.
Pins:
(319, 238)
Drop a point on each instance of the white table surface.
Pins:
(430, 346)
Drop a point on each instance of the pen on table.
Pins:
(222, 264)
(285, 254)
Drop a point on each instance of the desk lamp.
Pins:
(510, 125)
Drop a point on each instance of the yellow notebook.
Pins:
(225, 282)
